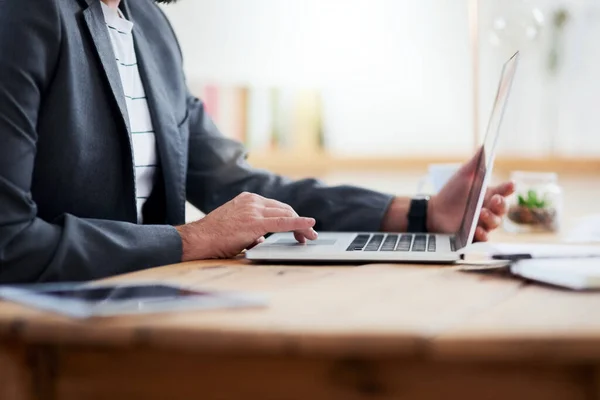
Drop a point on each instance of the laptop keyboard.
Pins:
(375, 243)
(393, 242)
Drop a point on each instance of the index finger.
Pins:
(287, 224)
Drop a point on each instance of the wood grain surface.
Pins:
(400, 310)
(382, 331)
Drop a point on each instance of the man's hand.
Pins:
(241, 224)
(446, 209)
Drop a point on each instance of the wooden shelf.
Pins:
(320, 163)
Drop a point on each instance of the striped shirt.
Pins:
(142, 131)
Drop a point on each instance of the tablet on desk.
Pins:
(84, 300)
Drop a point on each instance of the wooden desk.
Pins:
(381, 331)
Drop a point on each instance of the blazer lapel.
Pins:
(94, 18)
(169, 143)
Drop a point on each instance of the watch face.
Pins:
(418, 207)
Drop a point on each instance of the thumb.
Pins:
(504, 189)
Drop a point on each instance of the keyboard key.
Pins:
(431, 244)
(389, 244)
(404, 243)
(420, 243)
(374, 243)
(358, 243)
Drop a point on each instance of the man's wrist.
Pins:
(432, 208)
(396, 216)
(185, 246)
(189, 239)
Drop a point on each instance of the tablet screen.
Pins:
(83, 300)
(121, 293)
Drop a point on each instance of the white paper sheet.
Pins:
(578, 274)
(536, 250)
(586, 231)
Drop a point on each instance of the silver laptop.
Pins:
(401, 247)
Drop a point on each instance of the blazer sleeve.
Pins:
(218, 171)
(68, 248)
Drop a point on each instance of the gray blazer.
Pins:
(67, 201)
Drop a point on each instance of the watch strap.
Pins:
(417, 215)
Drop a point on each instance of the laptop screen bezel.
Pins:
(460, 242)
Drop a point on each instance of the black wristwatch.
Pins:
(417, 215)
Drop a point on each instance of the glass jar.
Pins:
(536, 205)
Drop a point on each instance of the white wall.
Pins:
(579, 123)
(547, 114)
(396, 73)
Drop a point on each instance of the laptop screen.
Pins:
(485, 160)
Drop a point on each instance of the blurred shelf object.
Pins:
(266, 118)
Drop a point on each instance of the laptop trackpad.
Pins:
(294, 243)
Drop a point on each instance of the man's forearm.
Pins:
(77, 249)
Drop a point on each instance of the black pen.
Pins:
(524, 256)
(512, 257)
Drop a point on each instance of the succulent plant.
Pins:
(532, 200)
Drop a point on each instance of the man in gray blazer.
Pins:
(68, 207)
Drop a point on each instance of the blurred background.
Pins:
(346, 89)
